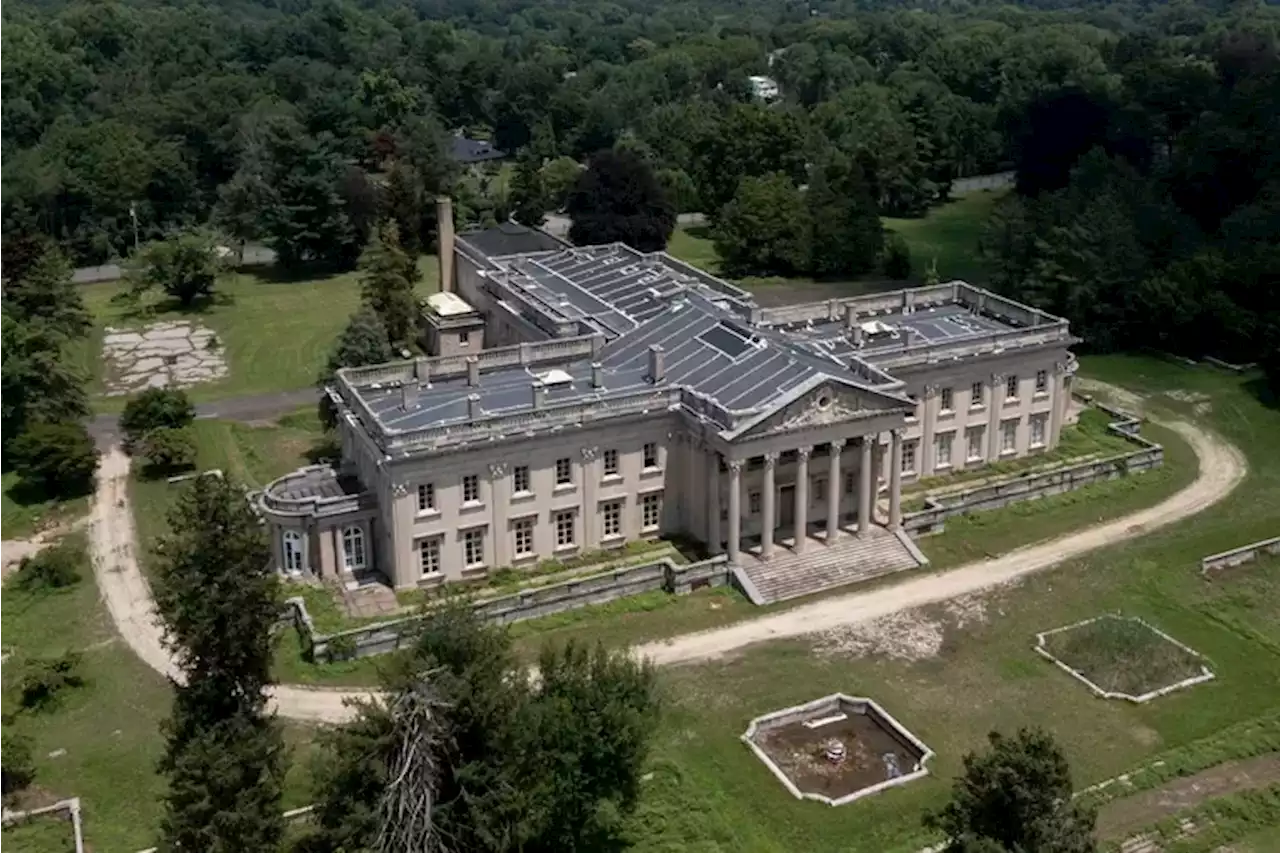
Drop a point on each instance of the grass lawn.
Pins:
(1122, 655)
(25, 512)
(43, 834)
(949, 234)
(275, 333)
(979, 672)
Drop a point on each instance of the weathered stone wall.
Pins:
(1243, 554)
(1023, 487)
(383, 637)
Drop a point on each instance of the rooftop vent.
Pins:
(555, 377)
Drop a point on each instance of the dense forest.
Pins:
(1146, 135)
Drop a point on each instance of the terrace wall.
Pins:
(1146, 456)
(531, 603)
(1243, 554)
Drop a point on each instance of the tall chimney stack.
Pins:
(657, 365)
(473, 371)
(539, 394)
(409, 395)
(850, 317)
(597, 374)
(473, 406)
(444, 231)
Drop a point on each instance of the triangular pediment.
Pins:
(828, 402)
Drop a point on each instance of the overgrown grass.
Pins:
(42, 834)
(25, 511)
(305, 317)
(1122, 655)
(1217, 822)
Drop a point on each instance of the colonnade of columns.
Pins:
(866, 492)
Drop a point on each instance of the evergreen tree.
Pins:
(37, 384)
(364, 341)
(59, 457)
(619, 199)
(307, 220)
(764, 229)
(42, 291)
(218, 597)
(530, 200)
(847, 237)
(387, 276)
(1016, 797)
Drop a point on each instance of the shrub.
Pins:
(169, 449)
(57, 567)
(59, 456)
(897, 258)
(46, 679)
(17, 769)
(153, 409)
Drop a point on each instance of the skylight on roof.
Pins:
(555, 377)
(727, 340)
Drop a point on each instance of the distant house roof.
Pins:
(467, 150)
(511, 238)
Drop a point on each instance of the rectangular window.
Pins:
(850, 483)
(522, 528)
(1042, 381)
(908, 457)
(520, 479)
(651, 512)
(471, 489)
(819, 491)
(612, 514)
(915, 407)
(464, 338)
(429, 555)
(1008, 436)
(651, 455)
(975, 436)
(564, 471)
(473, 548)
(565, 529)
(942, 450)
(945, 399)
(753, 503)
(1011, 387)
(611, 463)
(975, 396)
(353, 548)
(1037, 430)
(426, 497)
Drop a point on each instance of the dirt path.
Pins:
(128, 595)
(1222, 468)
(1130, 814)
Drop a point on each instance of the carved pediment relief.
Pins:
(822, 407)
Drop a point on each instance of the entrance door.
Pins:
(787, 507)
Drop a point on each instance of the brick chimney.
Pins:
(409, 395)
(473, 406)
(657, 365)
(597, 374)
(539, 394)
(473, 371)
(444, 230)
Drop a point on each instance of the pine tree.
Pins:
(218, 597)
(387, 276)
(43, 292)
(530, 200)
(847, 236)
(619, 199)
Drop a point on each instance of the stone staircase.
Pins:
(850, 560)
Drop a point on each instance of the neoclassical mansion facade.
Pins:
(585, 397)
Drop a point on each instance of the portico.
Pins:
(779, 499)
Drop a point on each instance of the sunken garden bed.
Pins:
(837, 749)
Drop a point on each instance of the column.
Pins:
(1058, 411)
(895, 482)
(834, 490)
(928, 420)
(802, 497)
(866, 493)
(735, 509)
(590, 512)
(768, 515)
(993, 417)
(713, 502)
(498, 501)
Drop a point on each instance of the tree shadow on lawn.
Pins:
(1261, 391)
(142, 308)
(27, 494)
(306, 273)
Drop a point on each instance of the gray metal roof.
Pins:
(711, 348)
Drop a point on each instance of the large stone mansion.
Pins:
(581, 398)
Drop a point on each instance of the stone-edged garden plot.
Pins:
(837, 749)
(1123, 657)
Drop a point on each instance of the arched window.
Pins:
(294, 555)
(353, 548)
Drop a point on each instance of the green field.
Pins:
(949, 233)
(275, 333)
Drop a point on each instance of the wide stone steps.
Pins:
(850, 560)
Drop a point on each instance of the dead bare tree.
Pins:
(406, 810)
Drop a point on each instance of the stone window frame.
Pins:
(464, 338)
(941, 461)
(565, 521)
(611, 518)
(564, 471)
(909, 453)
(946, 400)
(754, 498)
(520, 528)
(1009, 437)
(426, 498)
(353, 545)
(650, 504)
(1039, 420)
(291, 545)
(521, 480)
(471, 488)
(1042, 382)
(1011, 387)
(473, 537)
(977, 400)
(650, 459)
(610, 463)
(430, 546)
(978, 432)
